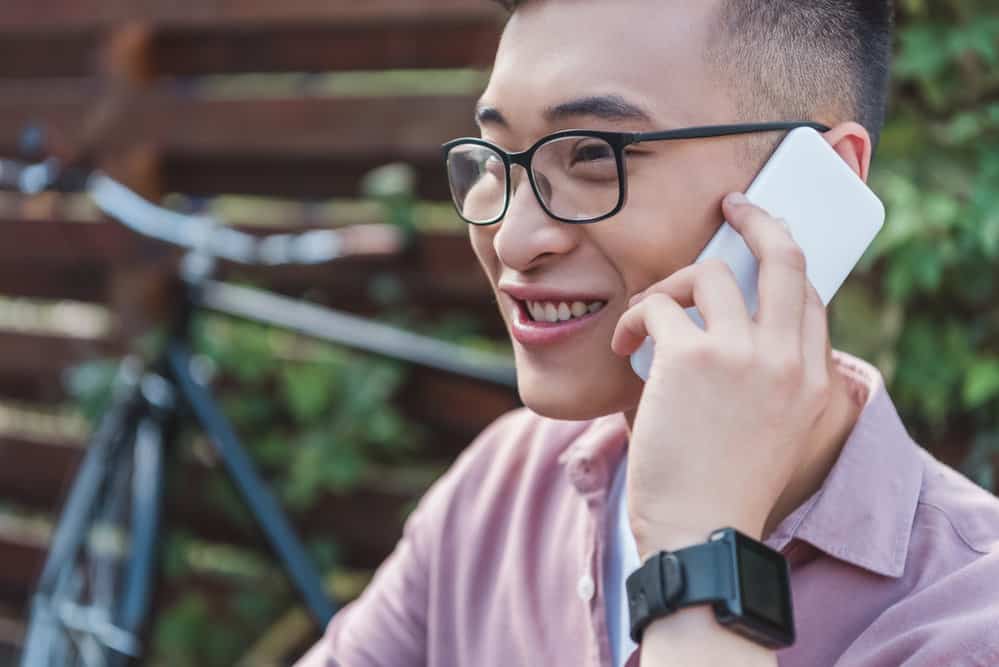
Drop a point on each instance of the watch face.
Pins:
(765, 590)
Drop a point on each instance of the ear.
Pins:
(853, 143)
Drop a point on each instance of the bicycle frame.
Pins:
(145, 412)
(139, 414)
(251, 488)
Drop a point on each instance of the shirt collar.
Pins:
(862, 513)
(592, 457)
(864, 510)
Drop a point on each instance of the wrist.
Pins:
(672, 535)
(712, 574)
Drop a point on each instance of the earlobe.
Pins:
(853, 144)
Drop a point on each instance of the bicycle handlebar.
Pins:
(199, 232)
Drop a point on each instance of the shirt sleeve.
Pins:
(387, 625)
(954, 621)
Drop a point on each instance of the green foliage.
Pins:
(314, 415)
(924, 305)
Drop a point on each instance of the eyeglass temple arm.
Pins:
(706, 131)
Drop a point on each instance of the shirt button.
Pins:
(585, 588)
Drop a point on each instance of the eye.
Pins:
(591, 151)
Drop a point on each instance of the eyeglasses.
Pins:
(578, 176)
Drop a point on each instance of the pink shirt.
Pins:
(894, 561)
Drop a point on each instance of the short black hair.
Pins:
(822, 60)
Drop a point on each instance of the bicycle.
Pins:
(92, 600)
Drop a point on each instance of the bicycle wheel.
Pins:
(93, 595)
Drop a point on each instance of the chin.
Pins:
(572, 395)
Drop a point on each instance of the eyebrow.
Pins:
(604, 107)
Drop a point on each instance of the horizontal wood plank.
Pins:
(64, 242)
(296, 147)
(74, 39)
(22, 353)
(22, 560)
(82, 281)
(449, 42)
(60, 259)
(43, 471)
(75, 15)
(75, 53)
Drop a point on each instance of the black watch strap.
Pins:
(667, 581)
(707, 572)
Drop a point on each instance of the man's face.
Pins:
(648, 53)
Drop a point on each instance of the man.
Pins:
(519, 555)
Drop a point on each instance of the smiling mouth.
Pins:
(553, 312)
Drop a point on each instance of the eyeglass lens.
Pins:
(576, 177)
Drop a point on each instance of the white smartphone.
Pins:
(830, 211)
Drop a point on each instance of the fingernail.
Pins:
(736, 199)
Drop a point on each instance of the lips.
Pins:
(544, 316)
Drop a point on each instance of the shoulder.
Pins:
(952, 567)
(953, 559)
(948, 612)
(949, 501)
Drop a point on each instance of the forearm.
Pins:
(693, 638)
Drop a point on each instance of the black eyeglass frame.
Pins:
(618, 141)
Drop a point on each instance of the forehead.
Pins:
(647, 52)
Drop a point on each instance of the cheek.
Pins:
(656, 236)
(673, 210)
(481, 239)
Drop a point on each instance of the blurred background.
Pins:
(304, 114)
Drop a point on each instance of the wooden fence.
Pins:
(122, 80)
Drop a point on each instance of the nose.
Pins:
(527, 236)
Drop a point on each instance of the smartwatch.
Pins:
(745, 581)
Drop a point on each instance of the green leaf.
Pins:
(982, 383)
(306, 390)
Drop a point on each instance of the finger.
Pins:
(815, 339)
(659, 316)
(781, 283)
(711, 287)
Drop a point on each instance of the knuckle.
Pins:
(756, 215)
(818, 388)
(738, 356)
(817, 310)
(790, 254)
(812, 297)
(701, 354)
(786, 369)
(714, 265)
(656, 300)
(718, 268)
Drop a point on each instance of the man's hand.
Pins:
(722, 419)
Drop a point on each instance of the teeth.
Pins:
(549, 311)
(537, 311)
